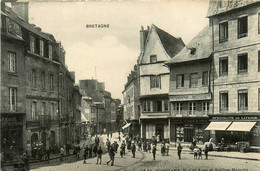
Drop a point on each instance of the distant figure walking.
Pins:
(133, 148)
(179, 149)
(154, 151)
(206, 152)
(112, 156)
(97, 140)
(85, 154)
(99, 155)
(61, 153)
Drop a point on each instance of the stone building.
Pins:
(131, 103)
(236, 93)
(157, 46)
(190, 90)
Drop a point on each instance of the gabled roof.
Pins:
(12, 15)
(171, 44)
(215, 8)
(201, 44)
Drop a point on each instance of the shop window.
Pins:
(155, 81)
(193, 80)
(32, 43)
(33, 78)
(153, 58)
(180, 134)
(223, 66)
(242, 63)
(242, 99)
(205, 107)
(223, 32)
(34, 111)
(192, 108)
(12, 98)
(242, 27)
(180, 80)
(223, 101)
(12, 62)
(205, 78)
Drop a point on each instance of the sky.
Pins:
(109, 54)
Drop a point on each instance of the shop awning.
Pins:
(126, 125)
(241, 126)
(218, 126)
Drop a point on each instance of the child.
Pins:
(195, 152)
(61, 153)
(149, 147)
(199, 153)
(121, 152)
(99, 155)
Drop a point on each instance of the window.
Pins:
(148, 103)
(259, 99)
(52, 111)
(242, 63)
(166, 105)
(223, 66)
(50, 52)
(157, 106)
(34, 108)
(223, 101)
(155, 81)
(12, 61)
(43, 80)
(179, 108)
(205, 78)
(33, 78)
(43, 108)
(205, 107)
(51, 82)
(32, 43)
(153, 58)
(223, 32)
(258, 23)
(3, 23)
(242, 27)
(41, 48)
(192, 108)
(242, 100)
(259, 61)
(180, 81)
(12, 98)
(194, 80)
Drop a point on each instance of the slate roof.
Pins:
(201, 42)
(12, 15)
(214, 6)
(171, 44)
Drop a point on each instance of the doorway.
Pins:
(188, 134)
(159, 131)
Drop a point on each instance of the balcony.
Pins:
(39, 121)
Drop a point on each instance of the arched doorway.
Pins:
(44, 137)
(34, 138)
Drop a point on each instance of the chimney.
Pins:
(143, 36)
(22, 9)
(101, 86)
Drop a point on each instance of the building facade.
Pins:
(236, 34)
(157, 46)
(190, 90)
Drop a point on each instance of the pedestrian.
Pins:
(68, 148)
(163, 149)
(179, 149)
(99, 155)
(139, 146)
(145, 146)
(200, 153)
(34, 150)
(111, 135)
(95, 149)
(97, 141)
(154, 151)
(47, 154)
(206, 152)
(90, 150)
(61, 153)
(85, 154)
(112, 156)
(107, 135)
(149, 146)
(119, 138)
(167, 147)
(25, 162)
(29, 149)
(115, 146)
(133, 148)
(195, 153)
(123, 147)
(77, 151)
(108, 144)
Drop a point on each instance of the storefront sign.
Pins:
(206, 96)
(12, 121)
(190, 121)
(235, 117)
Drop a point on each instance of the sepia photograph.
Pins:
(122, 85)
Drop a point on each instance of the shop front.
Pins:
(185, 129)
(234, 129)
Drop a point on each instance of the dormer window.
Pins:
(14, 28)
(153, 58)
(32, 43)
